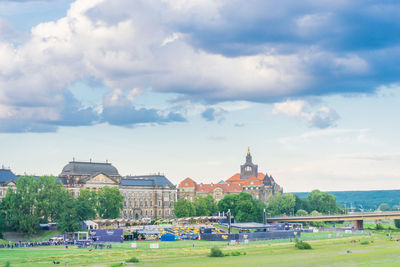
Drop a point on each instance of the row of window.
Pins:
(135, 215)
(135, 203)
(146, 195)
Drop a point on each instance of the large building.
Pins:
(259, 185)
(7, 179)
(145, 197)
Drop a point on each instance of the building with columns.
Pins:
(259, 185)
(145, 197)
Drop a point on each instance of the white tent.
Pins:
(91, 225)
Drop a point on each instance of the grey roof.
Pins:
(7, 175)
(222, 182)
(150, 180)
(88, 168)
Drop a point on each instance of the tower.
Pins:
(248, 169)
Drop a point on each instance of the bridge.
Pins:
(357, 217)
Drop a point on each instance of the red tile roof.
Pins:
(225, 187)
(236, 178)
(187, 183)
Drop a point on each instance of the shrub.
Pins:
(303, 245)
(216, 252)
(235, 253)
(7, 264)
(379, 226)
(397, 223)
(364, 242)
(133, 259)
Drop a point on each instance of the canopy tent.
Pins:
(168, 237)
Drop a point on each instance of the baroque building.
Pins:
(145, 197)
(259, 185)
(7, 179)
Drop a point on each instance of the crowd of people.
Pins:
(21, 244)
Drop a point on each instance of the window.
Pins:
(159, 212)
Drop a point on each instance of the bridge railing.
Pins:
(347, 214)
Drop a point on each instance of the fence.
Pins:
(251, 236)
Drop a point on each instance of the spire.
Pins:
(248, 150)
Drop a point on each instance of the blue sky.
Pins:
(184, 87)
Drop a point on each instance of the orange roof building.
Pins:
(261, 186)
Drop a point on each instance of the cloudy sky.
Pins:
(183, 87)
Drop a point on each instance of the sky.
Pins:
(184, 87)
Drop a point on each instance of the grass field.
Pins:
(331, 251)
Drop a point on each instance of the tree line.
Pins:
(245, 208)
(45, 199)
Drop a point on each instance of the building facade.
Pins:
(259, 185)
(145, 197)
(7, 179)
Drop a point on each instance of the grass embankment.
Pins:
(333, 251)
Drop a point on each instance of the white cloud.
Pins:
(323, 117)
(327, 137)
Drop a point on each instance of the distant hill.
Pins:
(364, 200)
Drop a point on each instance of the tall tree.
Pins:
(36, 199)
(184, 208)
(110, 202)
(282, 204)
(69, 220)
(243, 207)
(205, 205)
(322, 202)
(228, 203)
(85, 204)
(50, 199)
(20, 206)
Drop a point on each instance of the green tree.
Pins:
(85, 205)
(204, 206)
(397, 223)
(384, 207)
(302, 204)
(184, 208)
(249, 209)
(322, 202)
(301, 213)
(110, 202)
(282, 204)
(35, 200)
(228, 203)
(316, 224)
(3, 223)
(243, 207)
(19, 206)
(69, 220)
(50, 198)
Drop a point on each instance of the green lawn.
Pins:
(330, 251)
